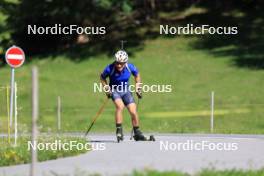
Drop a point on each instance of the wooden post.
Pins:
(212, 112)
(35, 109)
(59, 114)
(8, 113)
(122, 44)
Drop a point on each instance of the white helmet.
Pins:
(121, 56)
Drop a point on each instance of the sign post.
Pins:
(15, 114)
(14, 57)
(11, 95)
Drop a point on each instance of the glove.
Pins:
(108, 94)
(108, 91)
(139, 93)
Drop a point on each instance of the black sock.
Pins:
(119, 125)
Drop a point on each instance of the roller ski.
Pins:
(138, 136)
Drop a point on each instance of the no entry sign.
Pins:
(15, 56)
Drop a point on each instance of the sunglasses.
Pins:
(120, 63)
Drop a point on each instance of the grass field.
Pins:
(203, 173)
(20, 154)
(192, 73)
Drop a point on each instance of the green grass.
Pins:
(203, 173)
(192, 73)
(11, 155)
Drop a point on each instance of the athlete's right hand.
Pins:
(109, 94)
(108, 91)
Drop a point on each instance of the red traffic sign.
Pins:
(15, 56)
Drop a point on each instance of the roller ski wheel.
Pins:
(152, 138)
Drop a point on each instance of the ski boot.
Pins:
(119, 134)
(138, 136)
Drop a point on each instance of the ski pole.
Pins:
(96, 116)
(132, 131)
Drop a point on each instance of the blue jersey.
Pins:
(119, 78)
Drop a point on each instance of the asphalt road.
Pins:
(168, 152)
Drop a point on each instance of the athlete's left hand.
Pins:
(139, 93)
